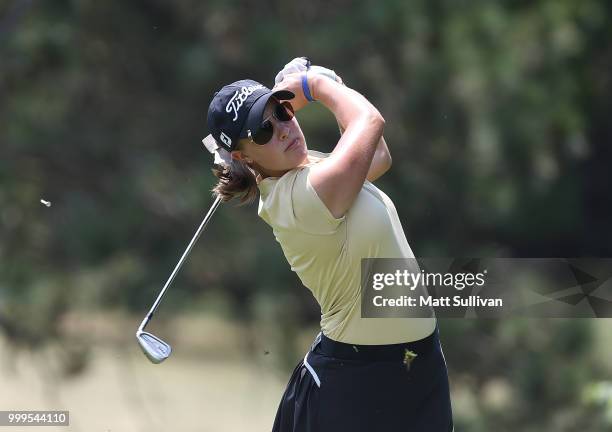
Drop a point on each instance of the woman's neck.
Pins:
(263, 173)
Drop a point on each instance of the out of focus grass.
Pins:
(206, 385)
(222, 376)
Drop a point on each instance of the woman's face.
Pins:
(285, 150)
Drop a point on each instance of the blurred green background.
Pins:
(498, 122)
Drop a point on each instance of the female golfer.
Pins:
(376, 374)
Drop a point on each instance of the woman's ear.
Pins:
(240, 156)
(236, 155)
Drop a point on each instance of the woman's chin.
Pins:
(303, 156)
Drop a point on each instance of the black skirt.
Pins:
(341, 387)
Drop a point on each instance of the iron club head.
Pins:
(154, 348)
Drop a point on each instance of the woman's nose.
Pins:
(283, 132)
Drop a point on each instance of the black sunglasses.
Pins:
(283, 112)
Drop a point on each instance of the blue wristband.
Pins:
(305, 88)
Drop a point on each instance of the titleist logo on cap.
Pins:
(238, 99)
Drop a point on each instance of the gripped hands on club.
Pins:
(292, 78)
(293, 83)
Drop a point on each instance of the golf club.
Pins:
(154, 348)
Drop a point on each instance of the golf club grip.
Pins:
(207, 218)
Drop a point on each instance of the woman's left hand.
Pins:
(293, 83)
(296, 68)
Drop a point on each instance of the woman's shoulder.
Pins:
(270, 187)
(316, 156)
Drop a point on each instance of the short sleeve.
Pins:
(311, 214)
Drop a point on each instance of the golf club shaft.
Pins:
(181, 261)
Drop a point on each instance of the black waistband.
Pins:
(343, 350)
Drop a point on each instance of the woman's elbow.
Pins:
(383, 154)
(374, 124)
(388, 161)
(378, 121)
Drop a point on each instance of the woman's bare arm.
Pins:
(339, 178)
(381, 162)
